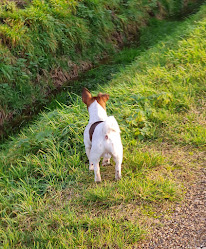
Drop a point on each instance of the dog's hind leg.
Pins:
(88, 149)
(91, 166)
(95, 155)
(118, 161)
(97, 176)
(94, 159)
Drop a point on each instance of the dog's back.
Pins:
(110, 125)
(106, 137)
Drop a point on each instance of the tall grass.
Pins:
(45, 43)
(48, 199)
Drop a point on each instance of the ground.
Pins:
(184, 227)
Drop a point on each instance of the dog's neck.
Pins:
(96, 112)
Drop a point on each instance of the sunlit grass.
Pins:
(48, 199)
(46, 37)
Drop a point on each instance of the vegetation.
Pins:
(48, 199)
(44, 43)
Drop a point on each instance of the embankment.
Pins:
(44, 44)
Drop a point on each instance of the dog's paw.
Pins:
(98, 181)
(117, 176)
(97, 178)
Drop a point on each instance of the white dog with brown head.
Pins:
(101, 135)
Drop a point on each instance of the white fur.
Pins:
(106, 141)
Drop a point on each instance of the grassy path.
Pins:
(47, 196)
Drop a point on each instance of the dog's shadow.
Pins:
(107, 173)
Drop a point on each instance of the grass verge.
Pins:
(48, 198)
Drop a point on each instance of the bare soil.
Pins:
(185, 227)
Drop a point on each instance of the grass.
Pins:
(48, 199)
(45, 43)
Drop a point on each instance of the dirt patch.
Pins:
(60, 77)
(19, 3)
(184, 227)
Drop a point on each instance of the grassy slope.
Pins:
(48, 198)
(48, 42)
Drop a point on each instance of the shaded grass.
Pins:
(48, 198)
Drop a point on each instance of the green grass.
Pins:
(45, 43)
(48, 199)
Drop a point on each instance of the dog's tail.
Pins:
(110, 126)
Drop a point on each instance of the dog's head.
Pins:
(88, 99)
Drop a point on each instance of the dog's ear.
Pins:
(102, 99)
(105, 97)
(86, 96)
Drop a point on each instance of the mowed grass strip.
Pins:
(48, 199)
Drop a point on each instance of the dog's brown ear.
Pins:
(86, 96)
(102, 99)
(105, 97)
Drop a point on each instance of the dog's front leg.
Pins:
(106, 159)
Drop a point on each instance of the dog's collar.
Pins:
(92, 128)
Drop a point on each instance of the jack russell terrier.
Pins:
(101, 135)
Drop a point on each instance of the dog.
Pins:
(101, 135)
